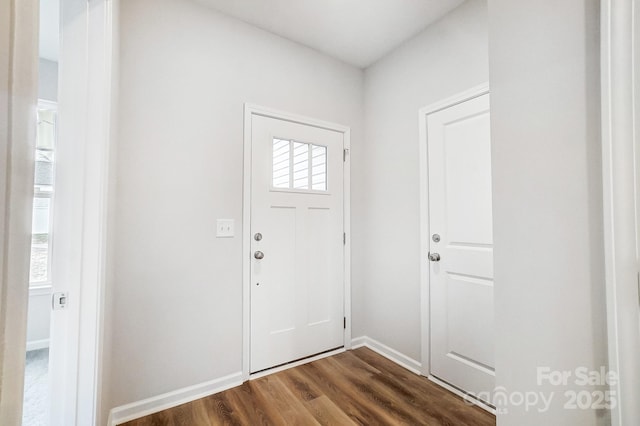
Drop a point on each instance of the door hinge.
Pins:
(344, 323)
(345, 152)
(344, 238)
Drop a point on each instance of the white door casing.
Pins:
(297, 289)
(79, 260)
(74, 371)
(620, 74)
(461, 281)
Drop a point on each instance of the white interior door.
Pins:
(461, 246)
(297, 278)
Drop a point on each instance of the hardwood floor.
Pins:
(357, 387)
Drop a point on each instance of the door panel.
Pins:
(461, 282)
(319, 271)
(468, 179)
(469, 338)
(283, 224)
(297, 288)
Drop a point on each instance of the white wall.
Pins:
(185, 72)
(447, 58)
(39, 318)
(47, 80)
(547, 198)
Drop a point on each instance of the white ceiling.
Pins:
(49, 29)
(358, 32)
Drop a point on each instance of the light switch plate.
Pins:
(225, 228)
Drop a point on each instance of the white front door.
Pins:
(297, 279)
(461, 246)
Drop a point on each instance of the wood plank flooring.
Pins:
(357, 387)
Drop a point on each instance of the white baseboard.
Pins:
(125, 413)
(413, 366)
(37, 344)
(389, 353)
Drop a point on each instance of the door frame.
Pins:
(87, 92)
(79, 264)
(620, 86)
(425, 284)
(249, 111)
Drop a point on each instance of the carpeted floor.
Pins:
(36, 388)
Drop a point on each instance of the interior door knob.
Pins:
(434, 257)
(258, 255)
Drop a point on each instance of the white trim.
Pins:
(246, 246)
(463, 395)
(300, 191)
(620, 150)
(425, 311)
(391, 354)
(34, 345)
(79, 257)
(249, 111)
(471, 93)
(413, 366)
(40, 290)
(101, 24)
(425, 333)
(135, 410)
(347, 230)
(47, 104)
(294, 118)
(295, 364)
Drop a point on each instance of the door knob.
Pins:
(434, 257)
(258, 255)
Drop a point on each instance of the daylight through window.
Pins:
(40, 271)
(298, 165)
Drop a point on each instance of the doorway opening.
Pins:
(68, 274)
(36, 387)
(37, 399)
